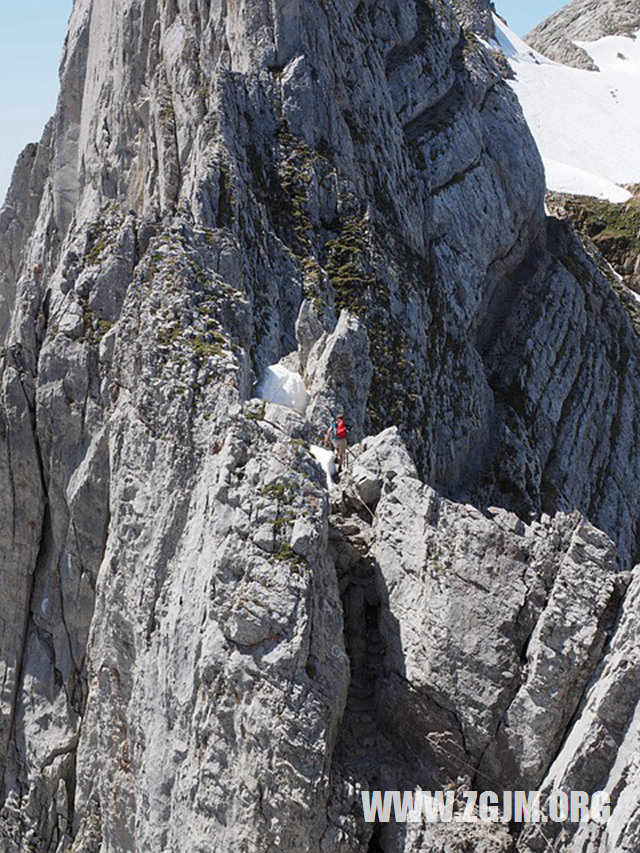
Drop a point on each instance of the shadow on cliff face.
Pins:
(392, 735)
(560, 357)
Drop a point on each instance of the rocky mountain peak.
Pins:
(583, 20)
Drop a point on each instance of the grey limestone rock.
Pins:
(469, 692)
(381, 457)
(338, 375)
(477, 15)
(201, 649)
(600, 752)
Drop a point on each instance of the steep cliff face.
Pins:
(224, 184)
(478, 636)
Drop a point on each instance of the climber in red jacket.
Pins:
(337, 433)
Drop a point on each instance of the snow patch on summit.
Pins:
(586, 123)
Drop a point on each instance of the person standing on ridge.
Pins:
(337, 433)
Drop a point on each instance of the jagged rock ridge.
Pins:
(180, 643)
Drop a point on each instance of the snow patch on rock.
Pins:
(327, 461)
(563, 178)
(284, 387)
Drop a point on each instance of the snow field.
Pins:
(586, 123)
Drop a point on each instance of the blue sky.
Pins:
(523, 15)
(31, 37)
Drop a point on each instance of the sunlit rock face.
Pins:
(201, 648)
(583, 20)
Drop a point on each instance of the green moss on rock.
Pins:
(347, 266)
